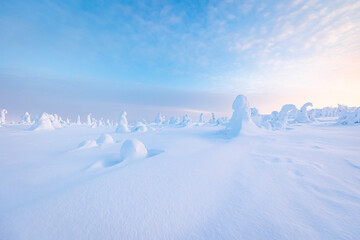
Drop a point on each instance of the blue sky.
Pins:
(177, 56)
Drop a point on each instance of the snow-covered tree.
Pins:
(302, 116)
(3, 116)
(26, 119)
(201, 118)
(241, 117)
(160, 119)
(123, 123)
(212, 119)
(44, 122)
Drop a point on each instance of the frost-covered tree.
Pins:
(350, 117)
(241, 118)
(201, 118)
(212, 119)
(44, 122)
(3, 116)
(302, 116)
(26, 119)
(160, 119)
(174, 121)
(78, 121)
(123, 123)
(88, 122)
(186, 120)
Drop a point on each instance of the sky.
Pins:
(177, 57)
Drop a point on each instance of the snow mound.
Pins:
(241, 118)
(88, 144)
(123, 123)
(132, 149)
(104, 139)
(43, 123)
(350, 118)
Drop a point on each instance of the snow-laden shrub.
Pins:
(212, 119)
(3, 116)
(132, 149)
(350, 118)
(159, 119)
(26, 119)
(174, 121)
(88, 120)
(186, 120)
(301, 115)
(223, 121)
(44, 122)
(104, 139)
(48, 122)
(56, 121)
(123, 123)
(241, 118)
(201, 118)
(139, 127)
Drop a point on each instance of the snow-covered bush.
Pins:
(212, 119)
(43, 123)
(186, 120)
(350, 118)
(160, 119)
(139, 127)
(301, 115)
(123, 123)
(201, 118)
(222, 121)
(174, 121)
(132, 149)
(26, 119)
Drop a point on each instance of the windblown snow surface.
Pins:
(194, 183)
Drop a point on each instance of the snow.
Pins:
(241, 118)
(123, 123)
(132, 149)
(160, 119)
(201, 118)
(88, 144)
(209, 181)
(26, 119)
(3, 116)
(139, 127)
(302, 116)
(350, 118)
(43, 123)
(104, 139)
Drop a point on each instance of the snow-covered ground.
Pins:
(194, 183)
